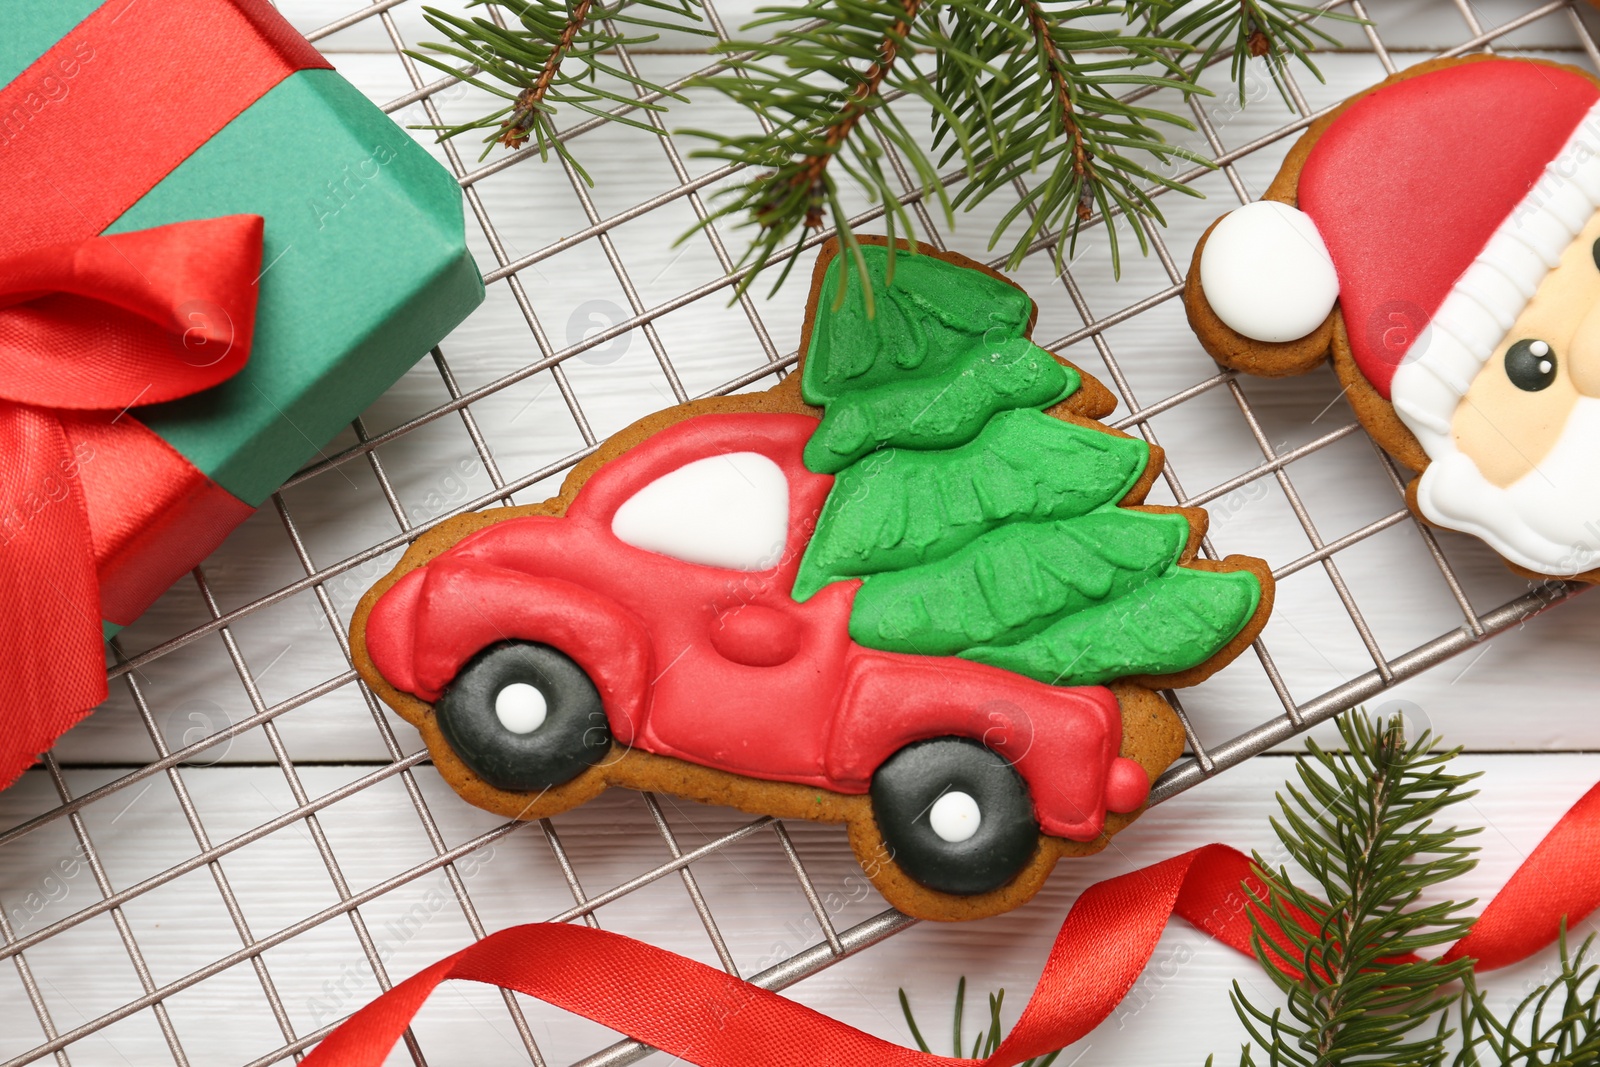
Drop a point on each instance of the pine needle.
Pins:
(987, 1040)
(550, 58)
(1274, 31)
(1556, 1025)
(1022, 97)
(1362, 824)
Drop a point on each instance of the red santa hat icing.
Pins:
(1438, 203)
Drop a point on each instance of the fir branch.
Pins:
(1061, 98)
(1361, 823)
(988, 1038)
(525, 112)
(1046, 81)
(554, 56)
(1016, 87)
(821, 87)
(861, 100)
(1556, 1025)
(1271, 30)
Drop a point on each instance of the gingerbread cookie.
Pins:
(1438, 236)
(912, 589)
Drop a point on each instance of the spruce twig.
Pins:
(1047, 82)
(525, 112)
(822, 84)
(554, 55)
(1273, 31)
(987, 1040)
(1361, 823)
(1012, 89)
(1556, 1025)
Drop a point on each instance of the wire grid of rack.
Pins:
(507, 270)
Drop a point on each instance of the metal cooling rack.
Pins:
(833, 944)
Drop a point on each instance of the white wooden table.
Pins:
(1522, 703)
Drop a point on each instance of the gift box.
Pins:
(214, 253)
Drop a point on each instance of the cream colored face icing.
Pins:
(1502, 387)
(1508, 429)
(1518, 464)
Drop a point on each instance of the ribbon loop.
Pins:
(105, 323)
(99, 325)
(89, 329)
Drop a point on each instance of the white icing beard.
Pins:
(1548, 520)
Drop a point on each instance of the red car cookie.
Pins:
(911, 607)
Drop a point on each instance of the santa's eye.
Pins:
(1531, 365)
(1596, 251)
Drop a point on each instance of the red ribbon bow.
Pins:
(88, 330)
(707, 1017)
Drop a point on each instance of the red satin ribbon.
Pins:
(707, 1017)
(88, 329)
(97, 514)
(1559, 880)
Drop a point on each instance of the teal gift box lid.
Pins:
(364, 260)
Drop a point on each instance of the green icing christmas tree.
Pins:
(978, 525)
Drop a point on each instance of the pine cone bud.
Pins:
(1258, 44)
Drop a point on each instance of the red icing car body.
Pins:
(720, 667)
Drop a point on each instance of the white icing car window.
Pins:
(728, 511)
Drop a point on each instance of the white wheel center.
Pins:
(955, 816)
(521, 708)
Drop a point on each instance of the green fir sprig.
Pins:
(550, 55)
(1014, 88)
(1350, 1006)
(1040, 99)
(1273, 31)
(988, 1037)
(1556, 1025)
(1051, 90)
(1362, 824)
(822, 85)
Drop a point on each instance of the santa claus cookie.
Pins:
(1437, 235)
(912, 589)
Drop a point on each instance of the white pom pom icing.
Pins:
(1267, 274)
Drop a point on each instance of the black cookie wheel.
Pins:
(956, 815)
(524, 717)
